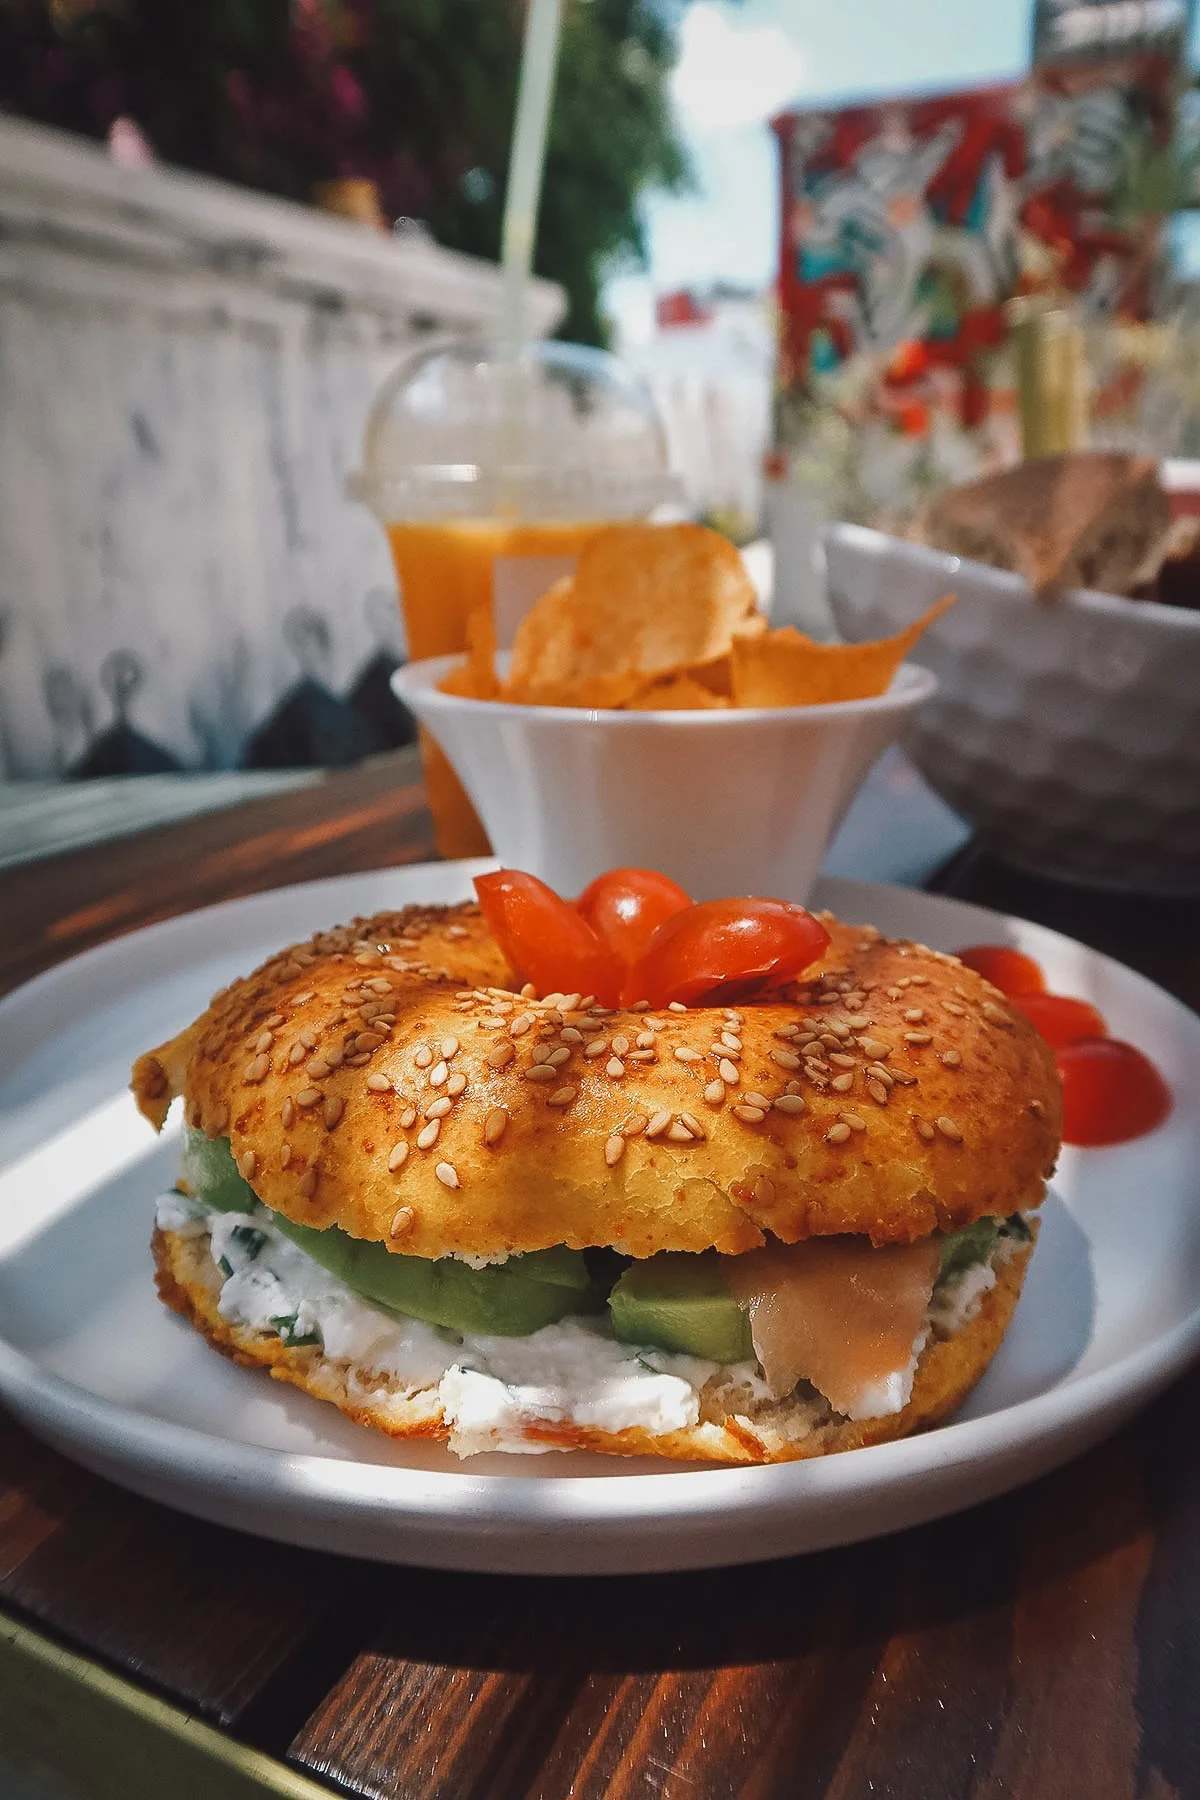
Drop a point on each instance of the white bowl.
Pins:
(734, 802)
(1067, 734)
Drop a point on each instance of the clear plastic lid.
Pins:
(562, 432)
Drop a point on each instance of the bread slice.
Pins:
(189, 1282)
(1087, 519)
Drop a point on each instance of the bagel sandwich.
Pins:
(724, 1234)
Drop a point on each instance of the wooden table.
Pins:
(1046, 1645)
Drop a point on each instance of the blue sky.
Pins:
(743, 60)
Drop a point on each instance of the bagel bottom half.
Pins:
(189, 1282)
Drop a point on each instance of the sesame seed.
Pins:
(837, 1134)
(841, 1061)
(257, 1070)
(437, 1109)
(598, 1047)
(727, 1071)
(614, 1067)
(495, 1125)
(332, 1111)
(788, 1031)
(880, 1073)
(571, 1036)
(952, 1059)
(296, 1054)
(731, 1040)
(380, 984)
(562, 1096)
(408, 1118)
(423, 1056)
(457, 1084)
(684, 1055)
(439, 1075)
(858, 1021)
(795, 1104)
(995, 1015)
(853, 1121)
(287, 1113)
(519, 1026)
(657, 1124)
(1037, 1109)
(427, 1137)
(678, 1132)
(693, 1124)
(541, 1053)
(449, 1047)
(948, 1129)
(620, 1046)
(676, 1006)
(247, 1164)
(752, 1115)
(558, 1057)
(500, 1056)
(308, 1183)
(652, 1024)
(309, 1039)
(923, 980)
(873, 1048)
(333, 1056)
(645, 1040)
(792, 1086)
(841, 1084)
(276, 1019)
(447, 1174)
(917, 1037)
(318, 1069)
(959, 1012)
(285, 1155)
(878, 1092)
(642, 1056)
(465, 994)
(368, 1040)
(633, 1125)
(398, 1157)
(763, 1191)
(638, 1006)
(571, 1002)
(614, 1149)
(528, 992)
(309, 1096)
(787, 1059)
(915, 1014)
(753, 1099)
(541, 1072)
(377, 1083)
(836, 1029)
(264, 1042)
(488, 1022)
(714, 1093)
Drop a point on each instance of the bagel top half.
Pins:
(386, 1078)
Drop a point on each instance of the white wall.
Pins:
(185, 370)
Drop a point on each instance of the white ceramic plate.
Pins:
(93, 1363)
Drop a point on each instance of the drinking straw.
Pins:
(539, 55)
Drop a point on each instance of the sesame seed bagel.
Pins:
(385, 1078)
(731, 1429)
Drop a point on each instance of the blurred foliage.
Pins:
(418, 95)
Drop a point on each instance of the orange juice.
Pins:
(447, 569)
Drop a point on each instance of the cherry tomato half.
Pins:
(1111, 1092)
(1010, 970)
(725, 950)
(1060, 1017)
(545, 939)
(624, 906)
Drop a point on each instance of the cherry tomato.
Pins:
(1111, 1092)
(1010, 970)
(545, 939)
(1060, 1018)
(725, 950)
(624, 906)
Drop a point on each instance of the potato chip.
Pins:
(785, 668)
(475, 678)
(648, 600)
(603, 692)
(676, 693)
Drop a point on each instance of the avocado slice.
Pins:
(501, 1300)
(679, 1300)
(212, 1176)
(973, 1244)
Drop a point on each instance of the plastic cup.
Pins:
(489, 476)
